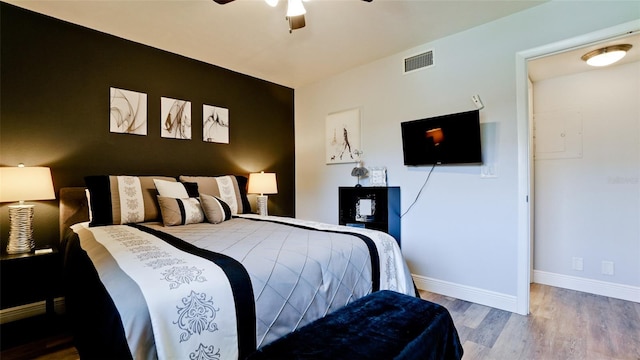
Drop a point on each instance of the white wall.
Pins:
(587, 202)
(461, 236)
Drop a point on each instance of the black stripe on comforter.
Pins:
(240, 285)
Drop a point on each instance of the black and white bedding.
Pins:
(220, 290)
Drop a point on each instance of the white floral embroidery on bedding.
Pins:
(228, 192)
(190, 318)
(131, 202)
(193, 210)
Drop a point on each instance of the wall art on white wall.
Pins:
(215, 124)
(175, 118)
(127, 112)
(342, 138)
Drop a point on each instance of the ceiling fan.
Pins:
(295, 11)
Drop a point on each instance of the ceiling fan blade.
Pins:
(222, 2)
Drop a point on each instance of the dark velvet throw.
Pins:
(383, 325)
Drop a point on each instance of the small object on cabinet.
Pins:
(378, 176)
(375, 208)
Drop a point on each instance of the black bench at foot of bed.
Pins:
(383, 325)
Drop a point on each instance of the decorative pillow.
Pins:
(215, 210)
(180, 211)
(117, 200)
(192, 189)
(171, 189)
(230, 188)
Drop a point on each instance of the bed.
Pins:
(162, 267)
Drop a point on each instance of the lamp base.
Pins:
(261, 200)
(21, 229)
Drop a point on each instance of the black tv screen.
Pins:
(446, 139)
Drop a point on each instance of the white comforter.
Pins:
(297, 275)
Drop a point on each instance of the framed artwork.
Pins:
(175, 118)
(215, 124)
(127, 112)
(365, 209)
(342, 137)
(378, 176)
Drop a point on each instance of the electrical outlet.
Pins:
(607, 267)
(577, 263)
(488, 171)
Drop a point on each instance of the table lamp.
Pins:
(23, 184)
(262, 183)
(359, 171)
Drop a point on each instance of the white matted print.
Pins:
(127, 112)
(342, 139)
(175, 118)
(215, 124)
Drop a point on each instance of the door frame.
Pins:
(525, 147)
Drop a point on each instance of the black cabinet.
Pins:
(371, 207)
(28, 278)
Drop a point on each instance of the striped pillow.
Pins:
(118, 200)
(180, 211)
(229, 188)
(215, 210)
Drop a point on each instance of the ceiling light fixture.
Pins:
(295, 11)
(295, 14)
(606, 55)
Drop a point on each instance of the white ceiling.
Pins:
(570, 62)
(250, 37)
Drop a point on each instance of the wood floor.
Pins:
(39, 337)
(563, 324)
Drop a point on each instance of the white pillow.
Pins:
(171, 189)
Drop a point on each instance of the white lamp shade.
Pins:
(262, 183)
(26, 183)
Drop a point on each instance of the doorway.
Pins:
(526, 183)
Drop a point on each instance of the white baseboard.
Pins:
(467, 293)
(613, 290)
(29, 310)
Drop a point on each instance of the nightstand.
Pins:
(29, 278)
(371, 207)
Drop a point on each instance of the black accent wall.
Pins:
(54, 111)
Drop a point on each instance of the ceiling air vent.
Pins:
(418, 62)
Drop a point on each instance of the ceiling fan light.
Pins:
(607, 55)
(272, 3)
(295, 8)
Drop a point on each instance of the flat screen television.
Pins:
(446, 139)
